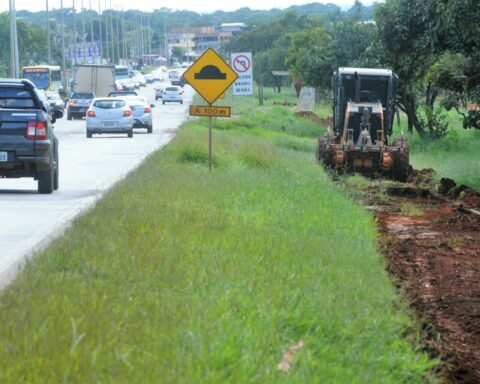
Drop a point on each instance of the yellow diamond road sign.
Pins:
(210, 75)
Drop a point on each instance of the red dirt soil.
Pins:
(435, 259)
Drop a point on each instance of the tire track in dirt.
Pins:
(435, 259)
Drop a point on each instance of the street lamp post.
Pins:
(64, 66)
(84, 41)
(91, 33)
(107, 54)
(74, 34)
(49, 45)
(112, 41)
(14, 62)
(101, 33)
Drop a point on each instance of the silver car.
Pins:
(172, 93)
(159, 91)
(142, 112)
(109, 115)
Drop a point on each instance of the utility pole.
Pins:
(101, 33)
(49, 45)
(188, 36)
(64, 65)
(107, 55)
(92, 41)
(118, 36)
(167, 54)
(111, 34)
(124, 39)
(149, 40)
(74, 34)
(14, 62)
(84, 41)
(142, 30)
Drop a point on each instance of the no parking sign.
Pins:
(242, 65)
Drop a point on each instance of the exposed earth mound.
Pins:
(430, 236)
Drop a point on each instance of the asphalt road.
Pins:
(88, 167)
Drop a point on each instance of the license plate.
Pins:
(3, 156)
(109, 124)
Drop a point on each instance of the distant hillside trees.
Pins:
(31, 44)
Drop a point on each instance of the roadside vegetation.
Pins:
(184, 275)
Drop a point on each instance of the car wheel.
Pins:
(150, 129)
(89, 134)
(130, 133)
(57, 171)
(156, 98)
(163, 102)
(46, 180)
(69, 116)
(181, 102)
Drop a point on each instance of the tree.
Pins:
(178, 52)
(311, 57)
(32, 41)
(432, 45)
(405, 47)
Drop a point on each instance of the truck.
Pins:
(364, 105)
(28, 145)
(95, 78)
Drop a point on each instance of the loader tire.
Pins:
(401, 166)
(324, 153)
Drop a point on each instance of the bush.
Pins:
(434, 122)
(193, 154)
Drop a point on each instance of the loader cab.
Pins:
(367, 87)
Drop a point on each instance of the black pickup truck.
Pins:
(28, 146)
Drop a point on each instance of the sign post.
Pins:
(210, 143)
(210, 76)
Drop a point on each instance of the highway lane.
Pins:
(88, 167)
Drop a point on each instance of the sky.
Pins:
(204, 6)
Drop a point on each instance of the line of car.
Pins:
(28, 144)
(121, 111)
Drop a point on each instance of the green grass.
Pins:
(457, 156)
(181, 275)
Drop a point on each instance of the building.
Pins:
(196, 40)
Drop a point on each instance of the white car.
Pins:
(109, 115)
(140, 79)
(173, 94)
(142, 112)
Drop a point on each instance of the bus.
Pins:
(46, 77)
(121, 72)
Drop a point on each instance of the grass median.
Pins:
(181, 275)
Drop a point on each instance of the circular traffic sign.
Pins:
(241, 63)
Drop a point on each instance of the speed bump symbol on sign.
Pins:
(210, 76)
(210, 72)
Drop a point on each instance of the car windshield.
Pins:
(109, 104)
(82, 95)
(172, 89)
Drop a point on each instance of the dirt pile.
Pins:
(314, 117)
(432, 247)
